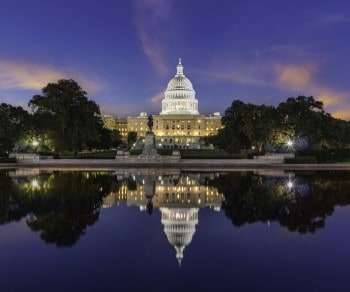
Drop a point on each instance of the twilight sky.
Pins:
(124, 52)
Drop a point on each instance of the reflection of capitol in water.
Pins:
(179, 227)
(178, 196)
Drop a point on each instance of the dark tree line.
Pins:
(301, 119)
(302, 207)
(63, 118)
(59, 206)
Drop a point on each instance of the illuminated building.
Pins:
(179, 124)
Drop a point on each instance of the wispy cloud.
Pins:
(294, 77)
(238, 71)
(343, 113)
(149, 15)
(24, 75)
(300, 78)
(157, 98)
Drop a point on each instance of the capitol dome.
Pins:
(179, 97)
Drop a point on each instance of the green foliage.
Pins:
(98, 155)
(132, 138)
(71, 119)
(7, 160)
(13, 123)
(301, 160)
(232, 137)
(303, 117)
(135, 152)
(248, 126)
(108, 139)
(329, 155)
(208, 154)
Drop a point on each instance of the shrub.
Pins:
(328, 155)
(7, 160)
(301, 160)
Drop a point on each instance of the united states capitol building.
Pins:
(179, 124)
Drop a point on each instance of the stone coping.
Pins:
(192, 164)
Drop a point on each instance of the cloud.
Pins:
(329, 97)
(301, 79)
(149, 15)
(157, 98)
(295, 76)
(238, 71)
(342, 113)
(292, 78)
(24, 75)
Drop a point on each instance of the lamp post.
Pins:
(35, 145)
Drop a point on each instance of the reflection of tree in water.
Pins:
(13, 206)
(303, 208)
(60, 205)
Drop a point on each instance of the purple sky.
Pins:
(123, 53)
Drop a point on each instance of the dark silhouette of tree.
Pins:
(59, 205)
(64, 110)
(301, 119)
(250, 198)
(13, 123)
(132, 137)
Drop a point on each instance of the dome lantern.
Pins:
(179, 69)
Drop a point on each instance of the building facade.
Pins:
(179, 124)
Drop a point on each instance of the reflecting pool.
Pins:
(168, 230)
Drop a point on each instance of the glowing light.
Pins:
(289, 143)
(290, 184)
(35, 184)
(35, 143)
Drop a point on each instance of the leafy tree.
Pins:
(13, 122)
(72, 120)
(261, 125)
(132, 137)
(109, 139)
(232, 137)
(303, 117)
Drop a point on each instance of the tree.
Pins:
(108, 139)
(261, 125)
(303, 117)
(13, 122)
(232, 137)
(72, 120)
(132, 137)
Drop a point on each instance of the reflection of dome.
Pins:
(179, 227)
(179, 97)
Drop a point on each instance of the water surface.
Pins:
(166, 230)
